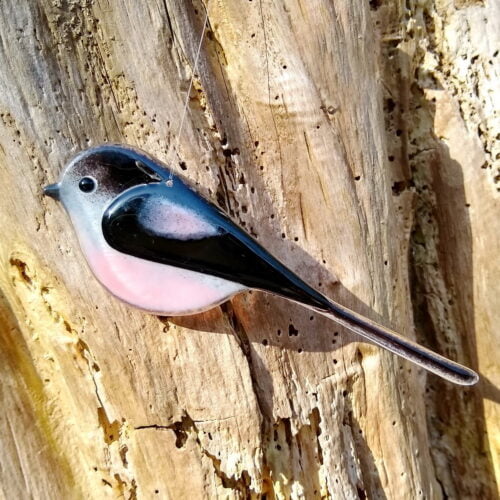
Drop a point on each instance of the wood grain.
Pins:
(344, 137)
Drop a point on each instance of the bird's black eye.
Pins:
(87, 184)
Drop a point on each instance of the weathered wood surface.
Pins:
(358, 142)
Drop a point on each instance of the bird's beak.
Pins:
(52, 190)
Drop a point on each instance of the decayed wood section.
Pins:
(358, 141)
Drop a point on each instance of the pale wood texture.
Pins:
(358, 142)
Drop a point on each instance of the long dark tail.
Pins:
(390, 340)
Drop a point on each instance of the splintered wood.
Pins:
(358, 142)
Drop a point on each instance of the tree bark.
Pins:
(355, 141)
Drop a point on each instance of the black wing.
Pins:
(213, 245)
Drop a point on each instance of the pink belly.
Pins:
(154, 287)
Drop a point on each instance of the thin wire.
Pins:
(170, 181)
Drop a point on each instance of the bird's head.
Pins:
(98, 175)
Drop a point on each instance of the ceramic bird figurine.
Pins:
(158, 245)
